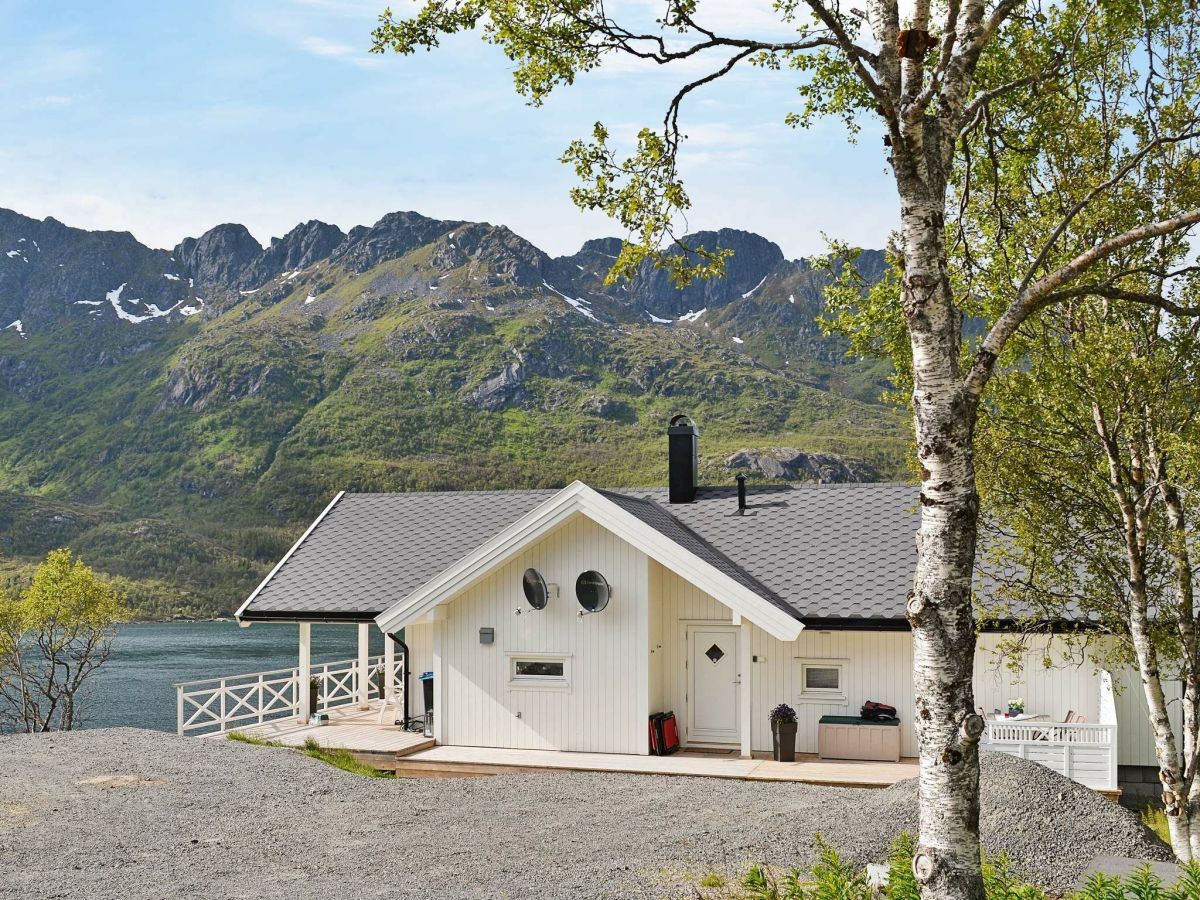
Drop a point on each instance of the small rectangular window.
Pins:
(538, 668)
(822, 678)
(539, 671)
(820, 681)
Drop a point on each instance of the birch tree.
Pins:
(1090, 468)
(54, 634)
(932, 77)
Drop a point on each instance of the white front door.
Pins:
(712, 684)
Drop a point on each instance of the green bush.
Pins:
(832, 878)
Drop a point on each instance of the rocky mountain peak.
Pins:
(391, 237)
(754, 258)
(220, 257)
(304, 245)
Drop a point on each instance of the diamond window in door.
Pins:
(714, 653)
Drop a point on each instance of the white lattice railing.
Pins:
(217, 704)
(1084, 752)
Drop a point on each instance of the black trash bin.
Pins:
(427, 693)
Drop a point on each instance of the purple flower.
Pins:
(783, 713)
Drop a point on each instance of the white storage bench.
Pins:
(849, 737)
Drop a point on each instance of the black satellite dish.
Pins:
(592, 591)
(536, 590)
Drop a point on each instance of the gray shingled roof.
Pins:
(817, 551)
(372, 550)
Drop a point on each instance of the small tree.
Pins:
(1090, 467)
(53, 635)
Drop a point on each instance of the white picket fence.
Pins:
(1085, 752)
(219, 704)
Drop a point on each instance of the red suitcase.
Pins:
(670, 733)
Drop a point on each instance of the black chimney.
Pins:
(683, 459)
(741, 480)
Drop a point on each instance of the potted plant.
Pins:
(380, 681)
(314, 695)
(783, 732)
(1016, 706)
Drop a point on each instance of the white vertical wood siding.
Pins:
(1135, 736)
(878, 667)
(606, 707)
(674, 601)
(419, 638)
(1068, 685)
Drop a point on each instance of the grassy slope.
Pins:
(367, 389)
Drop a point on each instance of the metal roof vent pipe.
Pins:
(683, 459)
(741, 480)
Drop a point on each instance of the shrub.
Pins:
(832, 878)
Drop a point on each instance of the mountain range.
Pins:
(176, 416)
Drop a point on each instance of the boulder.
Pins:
(790, 464)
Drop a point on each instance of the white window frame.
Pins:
(538, 682)
(832, 696)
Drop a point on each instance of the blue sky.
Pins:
(165, 119)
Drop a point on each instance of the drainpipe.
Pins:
(403, 675)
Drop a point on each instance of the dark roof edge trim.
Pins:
(365, 618)
(240, 614)
(993, 626)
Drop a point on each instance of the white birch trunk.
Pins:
(947, 863)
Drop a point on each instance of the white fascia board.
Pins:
(740, 599)
(279, 565)
(481, 560)
(578, 497)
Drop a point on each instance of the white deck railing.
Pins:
(1085, 752)
(217, 704)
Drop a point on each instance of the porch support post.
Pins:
(389, 668)
(745, 693)
(304, 671)
(364, 676)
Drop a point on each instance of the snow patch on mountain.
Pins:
(577, 303)
(114, 299)
(18, 327)
(693, 316)
(657, 321)
(750, 292)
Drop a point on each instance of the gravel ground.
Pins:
(126, 813)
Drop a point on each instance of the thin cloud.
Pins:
(323, 47)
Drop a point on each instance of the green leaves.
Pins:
(642, 192)
(65, 593)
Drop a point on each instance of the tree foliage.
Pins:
(54, 633)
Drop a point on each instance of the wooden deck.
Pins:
(447, 761)
(349, 728)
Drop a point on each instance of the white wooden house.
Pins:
(720, 606)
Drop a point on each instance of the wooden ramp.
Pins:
(349, 728)
(448, 761)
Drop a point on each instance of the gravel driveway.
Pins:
(126, 813)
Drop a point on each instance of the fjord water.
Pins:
(136, 686)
